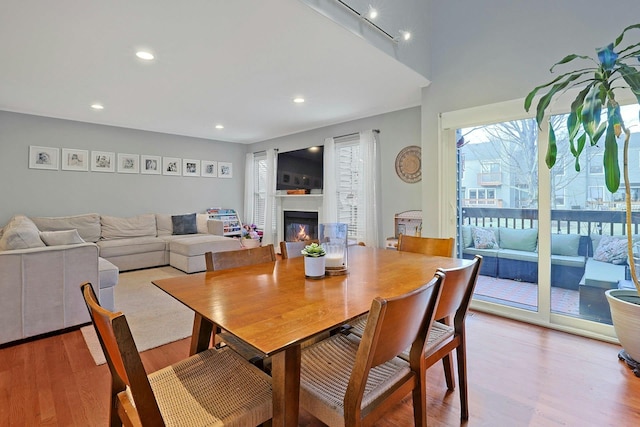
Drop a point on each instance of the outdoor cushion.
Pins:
(611, 249)
(519, 239)
(467, 239)
(565, 244)
(484, 238)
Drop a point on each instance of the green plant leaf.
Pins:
(552, 149)
(599, 132)
(591, 109)
(569, 58)
(546, 99)
(621, 36)
(611, 165)
(529, 99)
(632, 77)
(582, 141)
(573, 124)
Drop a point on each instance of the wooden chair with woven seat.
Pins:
(448, 332)
(293, 249)
(427, 245)
(351, 382)
(240, 258)
(215, 387)
(231, 259)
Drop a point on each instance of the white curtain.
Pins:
(369, 219)
(249, 189)
(330, 199)
(269, 232)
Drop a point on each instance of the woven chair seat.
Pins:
(325, 371)
(212, 388)
(438, 334)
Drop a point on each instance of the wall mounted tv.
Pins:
(300, 169)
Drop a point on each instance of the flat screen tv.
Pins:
(300, 169)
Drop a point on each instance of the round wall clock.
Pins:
(409, 164)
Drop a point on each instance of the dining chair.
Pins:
(448, 332)
(293, 249)
(239, 258)
(216, 261)
(345, 381)
(427, 245)
(214, 387)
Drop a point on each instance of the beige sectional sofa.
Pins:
(43, 261)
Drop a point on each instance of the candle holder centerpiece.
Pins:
(333, 238)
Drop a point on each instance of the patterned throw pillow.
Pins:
(483, 238)
(612, 250)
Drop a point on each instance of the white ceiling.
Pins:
(239, 63)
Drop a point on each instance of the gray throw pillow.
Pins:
(184, 224)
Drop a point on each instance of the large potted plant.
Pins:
(615, 70)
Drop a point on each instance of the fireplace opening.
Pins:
(300, 226)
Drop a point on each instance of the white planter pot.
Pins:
(626, 319)
(314, 267)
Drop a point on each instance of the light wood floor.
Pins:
(519, 375)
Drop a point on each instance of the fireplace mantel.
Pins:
(296, 202)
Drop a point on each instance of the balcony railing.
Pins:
(563, 221)
(489, 179)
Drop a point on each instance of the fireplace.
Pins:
(300, 226)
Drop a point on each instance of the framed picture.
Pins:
(225, 170)
(209, 168)
(44, 157)
(151, 165)
(171, 166)
(128, 163)
(103, 161)
(75, 160)
(190, 167)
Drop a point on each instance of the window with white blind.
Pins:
(260, 189)
(350, 186)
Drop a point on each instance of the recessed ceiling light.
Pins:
(219, 127)
(147, 56)
(373, 13)
(298, 100)
(97, 106)
(406, 35)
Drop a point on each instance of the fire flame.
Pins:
(302, 234)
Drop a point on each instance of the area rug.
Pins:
(154, 317)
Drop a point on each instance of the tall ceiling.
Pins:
(238, 63)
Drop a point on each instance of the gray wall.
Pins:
(52, 193)
(397, 130)
(498, 50)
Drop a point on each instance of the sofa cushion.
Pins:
(62, 237)
(565, 244)
(484, 238)
(518, 255)
(611, 249)
(519, 239)
(121, 228)
(119, 247)
(198, 245)
(88, 225)
(184, 224)
(467, 239)
(602, 274)
(164, 225)
(20, 233)
(202, 223)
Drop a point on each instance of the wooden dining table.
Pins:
(274, 308)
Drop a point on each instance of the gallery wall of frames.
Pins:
(69, 159)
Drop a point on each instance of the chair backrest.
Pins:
(122, 357)
(240, 258)
(427, 245)
(391, 328)
(458, 290)
(293, 249)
